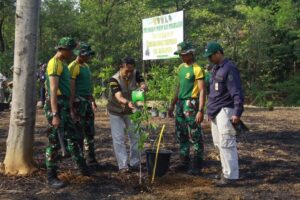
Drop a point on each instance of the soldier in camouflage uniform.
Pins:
(82, 101)
(189, 100)
(57, 111)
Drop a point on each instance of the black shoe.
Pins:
(84, 171)
(194, 171)
(217, 176)
(135, 168)
(124, 171)
(195, 168)
(91, 161)
(225, 182)
(56, 183)
(53, 181)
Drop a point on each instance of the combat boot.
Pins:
(53, 181)
(195, 168)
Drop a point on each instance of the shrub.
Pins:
(162, 84)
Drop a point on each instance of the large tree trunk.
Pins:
(19, 151)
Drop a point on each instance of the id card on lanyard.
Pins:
(216, 84)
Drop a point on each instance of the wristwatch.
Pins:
(201, 110)
(54, 114)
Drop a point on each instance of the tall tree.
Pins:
(19, 157)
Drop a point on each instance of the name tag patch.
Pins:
(216, 86)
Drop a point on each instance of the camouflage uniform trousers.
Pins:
(71, 136)
(85, 113)
(188, 132)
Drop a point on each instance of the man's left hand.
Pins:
(144, 87)
(199, 117)
(94, 106)
(235, 119)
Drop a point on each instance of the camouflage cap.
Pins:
(66, 43)
(212, 48)
(83, 49)
(184, 48)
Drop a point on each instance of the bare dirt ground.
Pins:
(269, 165)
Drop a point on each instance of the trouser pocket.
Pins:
(227, 141)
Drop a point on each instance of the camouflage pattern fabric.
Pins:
(71, 136)
(85, 113)
(188, 132)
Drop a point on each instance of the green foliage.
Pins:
(103, 76)
(143, 127)
(288, 92)
(261, 36)
(259, 96)
(162, 85)
(6, 61)
(58, 19)
(270, 105)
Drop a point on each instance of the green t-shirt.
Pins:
(83, 79)
(57, 68)
(188, 76)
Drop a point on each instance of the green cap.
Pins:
(212, 48)
(83, 50)
(184, 48)
(66, 43)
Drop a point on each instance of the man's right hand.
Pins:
(171, 111)
(55, 122)
(131, 105)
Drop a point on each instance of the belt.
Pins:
(63, 97)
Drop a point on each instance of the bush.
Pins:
(288, 92)
(285, 93)
(259, 96)
(162, 84)
(103, 78)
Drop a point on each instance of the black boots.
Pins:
(84, 170)
(91, 161)
(195, 167)
(53, 181)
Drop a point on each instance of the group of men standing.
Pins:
(224, 109)
(70, 108)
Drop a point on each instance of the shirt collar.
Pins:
(223, 63)
(124, 78)
(186, 65)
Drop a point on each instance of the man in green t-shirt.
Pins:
(189, 100)
(82, 102)
(57, 111)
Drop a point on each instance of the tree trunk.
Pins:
(19, 151)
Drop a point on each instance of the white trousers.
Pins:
(224, 139)
(119, 126)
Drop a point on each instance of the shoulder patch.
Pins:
(230, 77)
(113, 83)
(196, 65)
